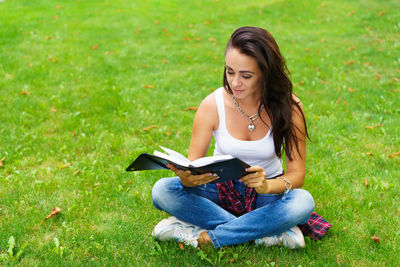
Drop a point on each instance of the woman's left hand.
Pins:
(256, 179)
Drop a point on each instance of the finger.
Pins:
(254, 169)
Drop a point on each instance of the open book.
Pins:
(225, 166)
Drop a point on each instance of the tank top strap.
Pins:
(221, 108)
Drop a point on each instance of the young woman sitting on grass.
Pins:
(253, 117)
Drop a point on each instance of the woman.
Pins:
(254, 116)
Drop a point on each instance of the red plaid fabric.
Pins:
(316, 227)
(233, 202)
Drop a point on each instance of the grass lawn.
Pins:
(86, 86)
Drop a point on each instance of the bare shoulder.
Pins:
(207, 112)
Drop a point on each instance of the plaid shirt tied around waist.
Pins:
(316, 226)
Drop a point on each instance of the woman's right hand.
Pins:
(190, 180)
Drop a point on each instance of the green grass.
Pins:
(81, 80)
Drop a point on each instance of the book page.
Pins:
(208, 160)
(172, 159)
(175, 154)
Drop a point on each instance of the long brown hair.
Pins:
(276, 86)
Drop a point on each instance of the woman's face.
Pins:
(243, 74)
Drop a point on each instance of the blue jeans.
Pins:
(274, 213)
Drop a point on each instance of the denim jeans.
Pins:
(273, 214)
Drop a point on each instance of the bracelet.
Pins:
(288, 185)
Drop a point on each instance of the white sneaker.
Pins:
(175, 229)
(292, 238)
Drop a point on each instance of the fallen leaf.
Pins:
(351, 61)
(145, 66)
(94, 47)
(24, 93)
(350, 13)
(260, 11)
(396, 79)
(351, 48)
(164, 61)
(53, 109)
(164, 30)
(378, 41)
(369, 154)
(365, 182)
(137, 31)
(181, 246)
(366, 64)
(207, 22)
(188, 56)
(211, 39)
(374, 126)
(156, 22)
(394, 154)
(52, 59)
(150, 127)
(346, 103)
(54, 212)
(96, 184)
(307, 49)
(129, 182)
(378, 77)
(165, 114)
(351, 90)
(376, 239)
(231, 260)
(54, 17)
(77, 172)
(344, 229)
(323, 40)
(323, 5)
(149, 86)
(66, 165)
(167, 133)
(187, 38)
(368, 28)
(383, 12)
(58, 7)
(301, 82)
(190, 108)
(74, 133)
(338, 100)
(48, 37)
(2, 162)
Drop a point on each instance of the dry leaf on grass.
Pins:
(351, 13)
(94, 47)
(149, 86)
(54, 212)
(383, 12)
(24, 93)
(351, 90)
(66, 165)
(351, 48)
(394, 154)
(376, 239)
(181, 246)
(369, 154)
(2, 162)
(365, 182)
(150, 127)
(351, 61)
(190, 108)
(77, 172)
(373, 127)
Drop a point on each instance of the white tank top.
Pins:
(260, 152)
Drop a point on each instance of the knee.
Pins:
(162, 192)
(304, 204)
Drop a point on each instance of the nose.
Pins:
(235, 81)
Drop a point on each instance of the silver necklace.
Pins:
(252, 118)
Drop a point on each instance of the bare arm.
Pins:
(295, 168)
(205, 121)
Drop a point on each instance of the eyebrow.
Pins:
(241, 71)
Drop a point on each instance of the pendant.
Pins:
(251, 127)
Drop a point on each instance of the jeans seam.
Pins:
(213, 239)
